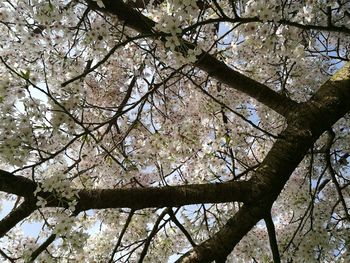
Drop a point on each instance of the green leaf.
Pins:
(25, 74)
(227, 139)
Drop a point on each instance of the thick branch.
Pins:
(221, 244)
(15, 216)
(206, 62)
(17, 185)
(135, 198)
(306, 124)
(223, 73)
(173, 196)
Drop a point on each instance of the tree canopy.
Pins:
(175, 131)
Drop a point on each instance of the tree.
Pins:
(188, 131)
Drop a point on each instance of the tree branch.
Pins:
(305, 125)
(121, 235)
(152, 234)
(17, 185)
(331, 135)
(15, 216)
(135, 198)
(220, 245)
(4, 255)
(272, 238)
(181, 227)
(205, 62)
(42, 247)
(174, 196)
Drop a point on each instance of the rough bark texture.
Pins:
(136, 198)
(306, 123)
(165, 196)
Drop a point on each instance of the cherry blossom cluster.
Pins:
(60, 188)
(139, 114)
(179, 12)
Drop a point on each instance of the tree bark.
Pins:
(205, 62)
(306, 124)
